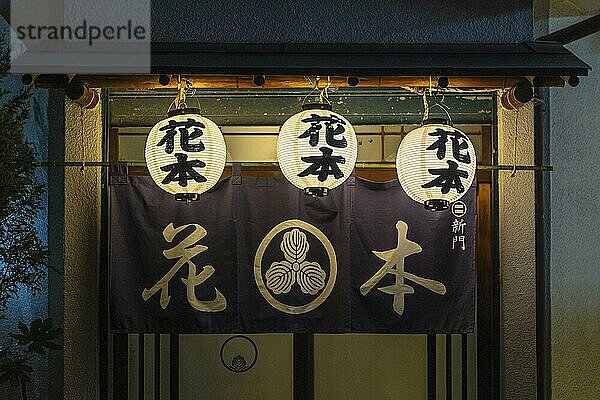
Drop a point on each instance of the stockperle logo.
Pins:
(87, 36)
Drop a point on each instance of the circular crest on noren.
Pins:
(436, 164)
(316, 149)
(239, 353)
(185, 154)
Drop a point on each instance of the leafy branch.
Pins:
(23, 256)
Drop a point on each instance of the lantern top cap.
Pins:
(183, 111)
(438, 121)
(317, 106)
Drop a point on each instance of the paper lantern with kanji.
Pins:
(316, 149)
(185, 154)
(436, 164)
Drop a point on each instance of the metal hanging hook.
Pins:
(323, 92)
(436, 103)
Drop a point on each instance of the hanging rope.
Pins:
(514, 170)
(81, 136)
(436, 103)
(185, 89)
(323, 92)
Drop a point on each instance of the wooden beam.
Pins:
(286, 82)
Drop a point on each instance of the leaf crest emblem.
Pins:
(282, 275)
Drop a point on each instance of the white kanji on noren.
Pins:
(184, 252)
(394, 264)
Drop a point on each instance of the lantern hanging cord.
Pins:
(439, 104)
(323, 92)
(184, 90)
(514, 170)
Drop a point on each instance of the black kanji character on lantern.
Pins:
(323, 165)
(183, 170)
(185, 135)
(333, 126)
(459, 142)
(449, 178)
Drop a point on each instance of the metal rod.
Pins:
(449, 367)
(157, 366)
(174, 366)
(84, 164)
(431, 367)
(141, 367)
(464, 375)
(573, 32)
(542, 267)
(304, 377)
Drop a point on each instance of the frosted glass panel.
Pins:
(382, 367)
(203, 376)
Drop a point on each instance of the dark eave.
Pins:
(542, 59)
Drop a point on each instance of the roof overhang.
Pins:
(285, 66)
(541, 59)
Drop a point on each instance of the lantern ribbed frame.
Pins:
(290, 149)
(214, 155)
(413, 162)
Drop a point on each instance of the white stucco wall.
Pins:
(83, 142)
(575, 226)
(517, 255)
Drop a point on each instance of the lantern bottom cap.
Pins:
(436, 205)
(316, 191)
(187, 197)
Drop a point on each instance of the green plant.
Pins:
(23, 257)
(16, 357)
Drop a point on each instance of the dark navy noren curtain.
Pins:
(257, 255)
(300, 303)
(141, 215)
(431, 286)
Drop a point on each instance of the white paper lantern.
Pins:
(316, 149)
(185, 154)
(436, 164)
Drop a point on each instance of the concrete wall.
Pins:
(348, 21)
(575, 224)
